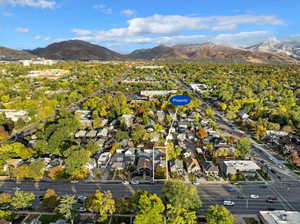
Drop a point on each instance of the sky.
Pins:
(126, 25)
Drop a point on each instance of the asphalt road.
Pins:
(287, 193)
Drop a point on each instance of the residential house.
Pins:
(15, 115)
(12, 163)
(80, 134)
(103, 132)
(232, 167)
(144, 165)
(192, 165)
(91, 134)
(160, 115)
(243, 115)
(103, 159)
(210, 169)
(177, 166)
(128, 119)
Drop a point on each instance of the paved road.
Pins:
(286, 192)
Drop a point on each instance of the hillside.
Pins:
(76, 50)
(210, 52)
(10, 54)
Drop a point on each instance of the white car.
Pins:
(82, 209)
(196, 183)
(16, 188)
(125, 182)
(74, 181)
(82, 197)
(135, 182)
(254, 196)
(228, 203)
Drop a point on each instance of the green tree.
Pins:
(243, 146)
(217, 214)
(181, 216)
(66, 207)
(76, 161)
(180, 195)
(22, 199)
(6, 215)
(149, 208)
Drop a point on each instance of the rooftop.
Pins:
(242, 164)
(280, 217)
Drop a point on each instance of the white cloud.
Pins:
(6, 14)
(22, 30)
(31, 3)
(169, 30)
(103, 9)
(128, 12)
(42, 38)
(81, 32)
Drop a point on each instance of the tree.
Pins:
(243, 146)
(101, 202)
(77, 161)
(66, 207)
(57, 172)
(6, 215)
(50, 200)
(173, 152)
(5, 198)
(202, 133)
(180, 216)
(217, 214)
(209, 112)
(180, 195)
(149, 208)
(22, 199)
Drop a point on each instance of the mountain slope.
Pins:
(76, 50)
(210, 52)
(272, 45)
(10, 54)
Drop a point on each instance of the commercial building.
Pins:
(232, 167)
(279, 217)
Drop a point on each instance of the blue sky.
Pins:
(125, 25)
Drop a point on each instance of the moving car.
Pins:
(125, 182)
(82, 209)
(228, 203)
(254, 196)
(196, 183)
(271, 199)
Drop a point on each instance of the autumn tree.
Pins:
(50, 200)
(202, 133)
(102, 203)
(243, 146)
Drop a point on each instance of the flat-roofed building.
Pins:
(279, 217)
(232, 167)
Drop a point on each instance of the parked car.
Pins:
(125, 182)
(228, 203)
(135, 182)
(196, 183)
(254, 196)
(74, 181)
(5, 207)
(82, 209)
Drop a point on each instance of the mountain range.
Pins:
(270, 51)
